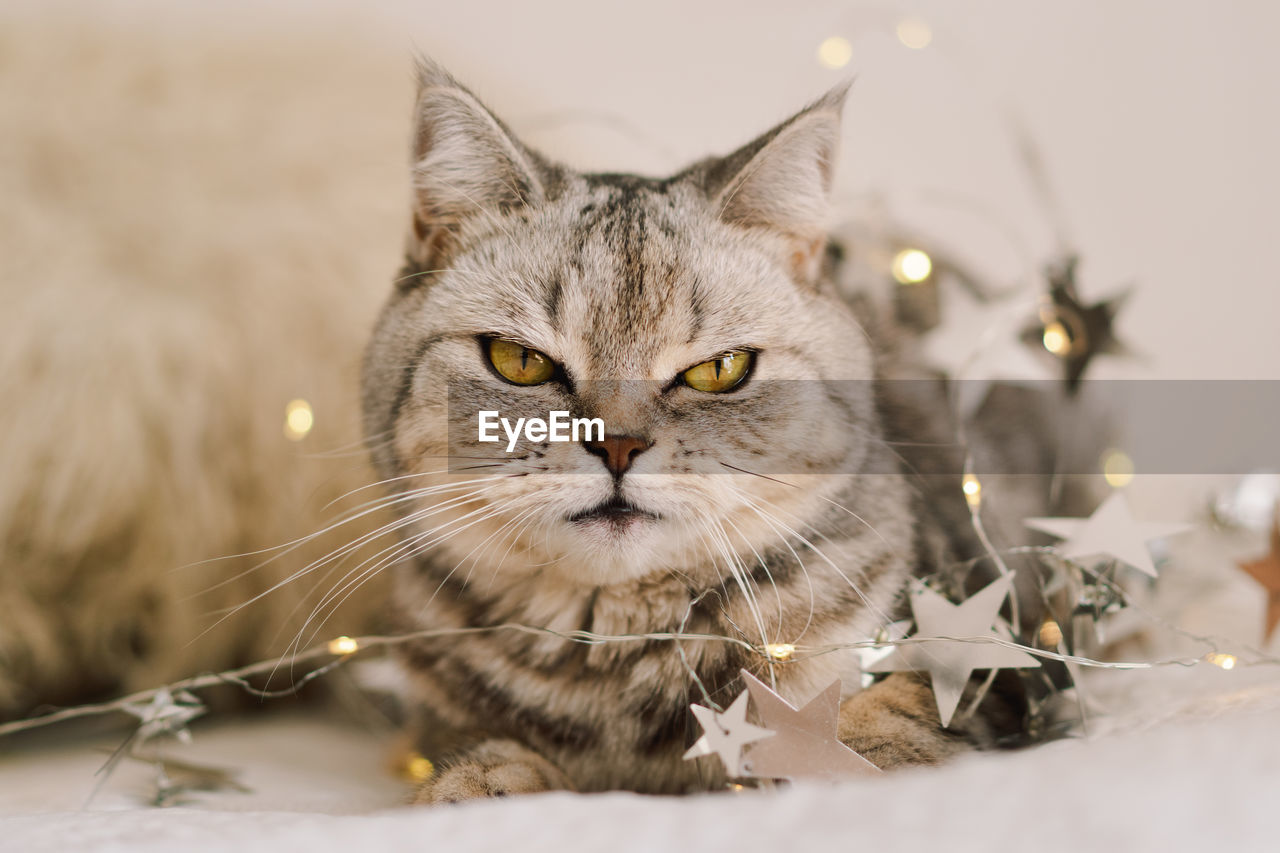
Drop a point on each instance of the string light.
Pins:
(1050, 634)
(835, 52)
(1117, 468)
(417, 768)
(343, 646)
(1057, 339)
(912, 266)
(914, 33)
(1221, 659)
(298, 420)
(972, 490)
(240, 675)
(780, 651)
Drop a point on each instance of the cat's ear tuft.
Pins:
(465, 161)
(783, 179)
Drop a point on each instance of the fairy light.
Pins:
(417, 768)
(298, 420)
(972, 490)
(343, 646)
(1050, 634)
(1056, 338)
(912, 266)
(780, 651)
(835, 52)
(914, 33)
(1117, 468)
(1221, 660)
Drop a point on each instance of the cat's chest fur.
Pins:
(611, 712)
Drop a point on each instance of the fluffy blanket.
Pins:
(1184, 783)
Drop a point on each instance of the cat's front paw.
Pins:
(496, 768)
(895, 723)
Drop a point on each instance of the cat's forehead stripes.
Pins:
(627, 290)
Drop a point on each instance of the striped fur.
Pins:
(622, 279)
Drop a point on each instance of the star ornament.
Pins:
(166, 713)
(1266, 571)
(1071, 331)
(725, 734)
(1111, 531)
(805, 745)
(953, 658)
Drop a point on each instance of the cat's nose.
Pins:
(618, 451)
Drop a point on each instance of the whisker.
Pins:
(340, 552)
(372, 507)
(403, 550)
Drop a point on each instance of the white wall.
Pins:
(1157, 121)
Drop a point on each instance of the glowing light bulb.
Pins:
(835, 52)
(418, 768)
(780, 651)
(914, 33)
(1117, 468)
(1050, 634)
(298, 420)
(343, 646)
(1056, 339)
(972, 490)
(1222, 660)
(912, 266)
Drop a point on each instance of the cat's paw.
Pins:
(493, 769)
(895, 724)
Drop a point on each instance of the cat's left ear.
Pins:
(782, 180)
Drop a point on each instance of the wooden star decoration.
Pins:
(725, 734)
(1071, 331)
(1266, 571)
(805, 745)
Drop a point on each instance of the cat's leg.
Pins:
(895, 723)
(493, 768)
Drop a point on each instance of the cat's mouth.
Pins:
(615, 511)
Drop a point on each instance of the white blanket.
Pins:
(1182, 783)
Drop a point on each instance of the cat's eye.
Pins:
(519, 364)
(720, 374)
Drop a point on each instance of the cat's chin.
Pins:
(613, 541)
(615, 533)
(615, 516)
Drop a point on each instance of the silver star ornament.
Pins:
(725, 734)
(1111, 531)
(805, 745)
(166, 713)
(948, 660)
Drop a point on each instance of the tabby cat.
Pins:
(727, 497)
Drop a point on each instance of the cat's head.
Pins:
(685, 313)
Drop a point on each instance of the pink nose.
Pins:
(618, 451)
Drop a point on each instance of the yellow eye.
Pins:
(519, 364)
(720, 374)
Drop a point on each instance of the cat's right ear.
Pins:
(465, 161)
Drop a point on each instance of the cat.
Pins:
(696, 316)
(163, 297)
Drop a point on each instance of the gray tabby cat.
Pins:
(546, 288)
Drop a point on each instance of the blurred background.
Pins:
(201, 206)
